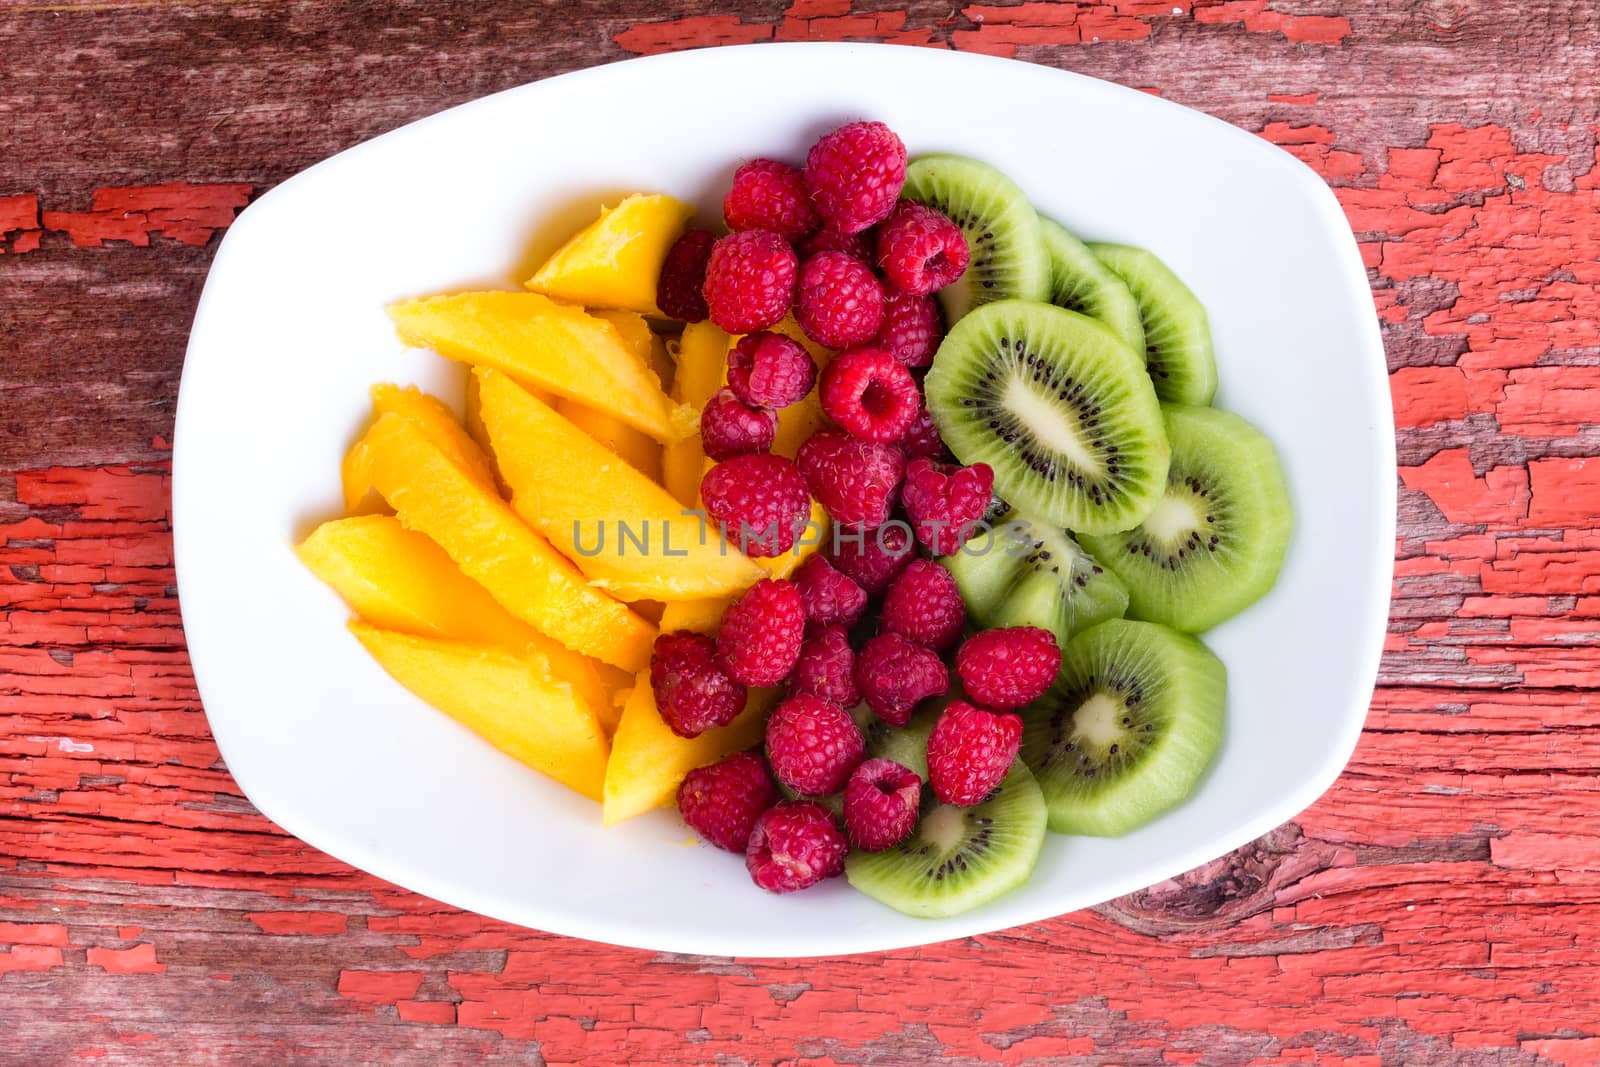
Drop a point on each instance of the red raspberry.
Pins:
(730, 427)
(895, 675)
(768, 195)
(920, 250)
(945, 501)
(880, 804)
(691, 691)
(830, 597)
(794, 846)
(759, 640)
(911, 329)
(840, 301)
(856, 481)
(970, 751)
(870, 393)
(722, 802)
(924, 605)
(855, 175)
(683, 277)
(827, 668)
(858, 245)
(872, 558)
(1010, 667)
(750, 280)
(769, 370)
(759, 501)
(921, 438)
(813, 745)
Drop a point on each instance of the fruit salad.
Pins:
(871, 527)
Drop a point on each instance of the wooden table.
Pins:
(1440, 905)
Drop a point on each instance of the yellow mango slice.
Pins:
(702, 368)
(398, 579)
(511, 701)
(562, 350)
(433, 417)
(476, 431)
(577, 494)
(799, 421)
(496, 549)
(615, 262)
(812, 540)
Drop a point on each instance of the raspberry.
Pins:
(880, 804)
(945, 501)
(970, 751)
(921, 438)
(830, 597)
(760, 636)
(1008, 668)
(750, 280)
(924, 605)
(768, 195)
(855, 175)
(813, 745)
(872, 558)
(911, 329)
(722, 802)
(840, 300)
(895, 675)
(769, 370)
(692, 693)
(856, 481)
(858, 245)
(920, 250)
(870, 393)
(683, 277)
(827, 668)
(793, 846)
(759, 501)
(730, 427)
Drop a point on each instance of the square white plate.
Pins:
(291, 331)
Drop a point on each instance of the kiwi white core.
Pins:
(1173, 519)
(945, 827)
(1096, 720)
(1052, 426)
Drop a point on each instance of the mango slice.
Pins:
(701, 370)
(513, 702)
(799, 421)
(615, 262)
(577, 494)
(649, 761)
(549, 346)
(433, 417)
(496, 549)
(398, 579)
(638, 450)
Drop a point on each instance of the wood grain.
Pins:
(1437, 906)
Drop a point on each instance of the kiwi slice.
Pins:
(1128, 727)
(1080, 282)
(1177, 334)
(1034, 574)
(958, 858)
(1214, 543)
(1001, 227)
(1059, 407)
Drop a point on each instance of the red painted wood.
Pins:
(1437, 906)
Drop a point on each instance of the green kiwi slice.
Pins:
(1033, 574)
(1127, 729)
(1001, 227)
(958, 858)
(1080, 282)
(1177, 333)
(1059, 407)
(1215, 541)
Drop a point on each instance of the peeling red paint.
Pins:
(379, 987)
(140, 959)
(182, 211)
(311, 923)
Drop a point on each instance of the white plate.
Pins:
(291, 331)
